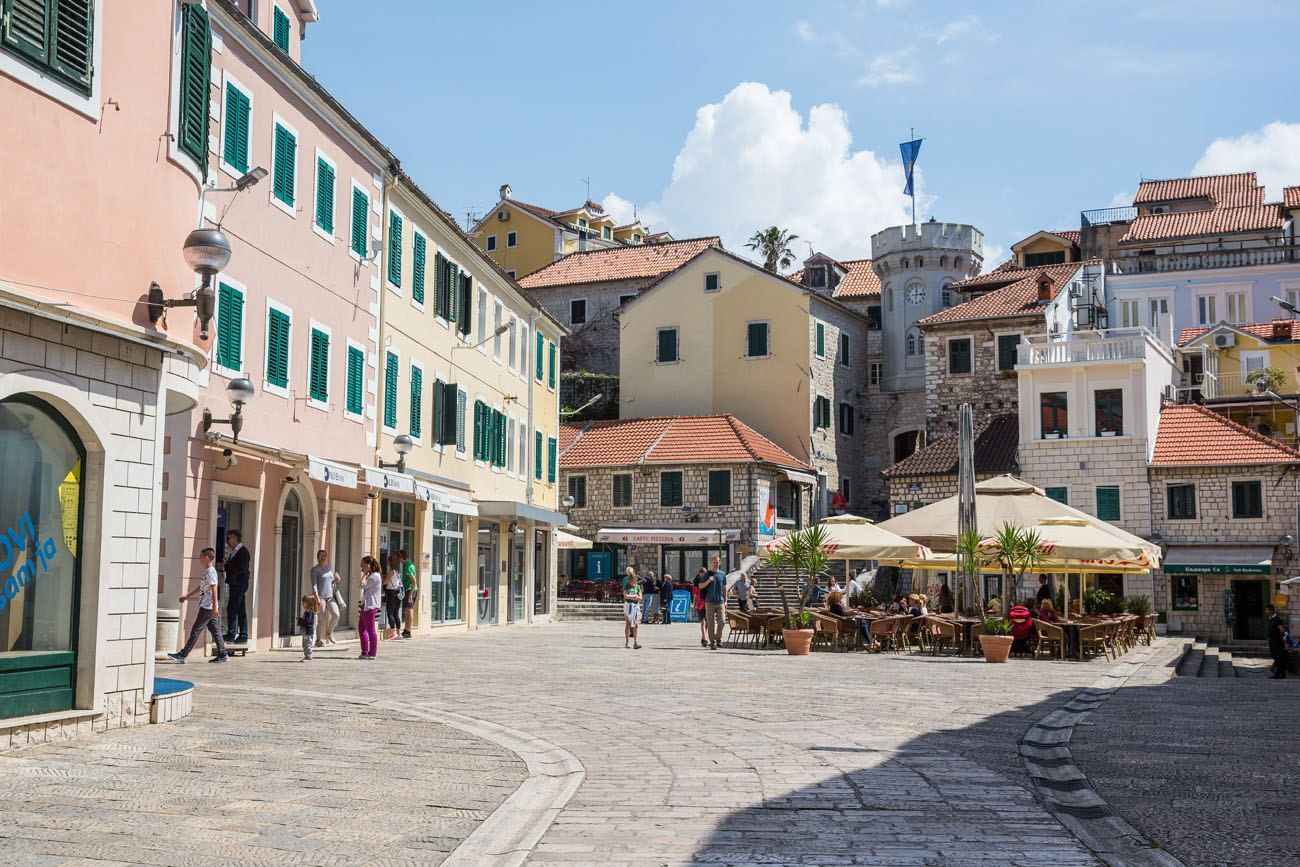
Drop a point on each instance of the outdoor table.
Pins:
(1073, 646)
(966, 625)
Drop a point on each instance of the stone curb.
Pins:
(1064, 788)
(509, 835)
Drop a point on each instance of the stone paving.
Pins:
(690, 757)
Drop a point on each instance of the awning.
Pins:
(331, 473)
(388, 480)
(569, 541)
(522, 511)
(1219, 560)
(444, 501)
(800, 478)
(667, 536)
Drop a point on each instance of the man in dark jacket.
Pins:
(239, 568)
(1277, 644)
(666, 597)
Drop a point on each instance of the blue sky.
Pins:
(792, 113)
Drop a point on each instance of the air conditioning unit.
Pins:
(503, 215)
(1224, 341)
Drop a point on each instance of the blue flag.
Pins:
(910, 150)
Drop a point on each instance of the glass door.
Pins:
(230, 516)
(290, 566)
(487, 574)
(517, 574)
(541, 574)
(345, 565)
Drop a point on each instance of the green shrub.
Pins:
(997, 626)
(1139, 605)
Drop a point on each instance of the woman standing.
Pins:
(631, 608)
(410, 586)
(369, 605)
(666, 598)
(393, 597)
(322, 583)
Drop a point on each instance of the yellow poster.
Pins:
(70, 504)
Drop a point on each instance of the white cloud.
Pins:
(1273, 152)
(804, 31)
(619, 208)
(994, 255)
(893, 67)
(903, 65)
(751, 161)
(968, 26)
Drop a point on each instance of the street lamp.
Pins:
(501, 329)
(207, 251)
(402, 444)
(239, 391)
(569, 501)
(1285, 305)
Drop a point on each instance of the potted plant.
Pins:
(806, 553)
(1274, 379)
(1107, 432)
(995, 639)
(1139, 605)
(1015, 551)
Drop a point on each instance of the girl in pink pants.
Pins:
(367, 628)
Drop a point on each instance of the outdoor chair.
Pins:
(1092, 639)
(941, 635)
(902, 624)
(737, 626)
(1051, 639)
(1110, 636)
(827, 629)
(1148, 629)
(881, 633)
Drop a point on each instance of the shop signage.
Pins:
(679, 609)
(666, 537)
(331, 473)
(1218, 569)
(392, 482)
(11, 545)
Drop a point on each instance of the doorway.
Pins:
(488, 541)
(516, 610)
(1249, 599)
(230, 516)
(344, 564)
(290, 565)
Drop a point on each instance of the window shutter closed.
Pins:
(417, 402)
(394, 249)
(466, 300)
(235, 146)
(757, 340)
(318, 382)
(280, 29)
(445, 414)
(325, 196)
(195, 77)
(719, 487)
(460, 420)
(418, 252)
(1007, 349)
(56, 34)
(230, 327)
(537, 456)
(440, 285)
(550, 365)
(277, 349)
(1108, 503)
(821, 340)
(390, 391)
(356, 380)
(1058, 494)
(27, 26)
(539, 369)
(360, 222)
(286, 156)
(550, 459)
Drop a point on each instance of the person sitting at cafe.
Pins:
(995, 606)
(899, 605)
(1022, 628)
(1032, 605)
(835, 604)
(945, 599)
(818, 594)
(1047, 612)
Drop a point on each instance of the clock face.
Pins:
(915, 295)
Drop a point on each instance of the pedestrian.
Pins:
(650, 590)
(368, 605)
(697, 597)
(410, 586)
(322, 583)
(744, 592)
(1277, 644)
(715, 601)
(239, 575)
(208, 615)
(393, 596)
(666, 598)
(945, 599)
(307, 623)
(1044, 589)
(631, 608)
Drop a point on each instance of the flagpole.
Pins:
(912, 137)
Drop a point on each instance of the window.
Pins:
(756, 340)
(1181, 500)
(523, 449)
(817, 277)
(578, 490)
(464, 315)
(846, 488)
(551, 455)
(821, 412)
(390, 391)
(450, 294)
(395, 249)
(666, 352)
(623, 299)
(719, 487)
(622, 493)
(419, 256)
(360, 222)
(54, 36)
(498, 319)
(285, 165)
(356, 380)
(512, 239)
(318, 366)
(1007, 349)
(540, 361)
(324, 194)
(1108, 503)
(230, 328)
(1035, 260)
(844, 349)
(278, 322)
(234, 140)
(537, 456)
(821, 340)
(511, 273)
(915, 343)
(1205, 310)
(482, 319)
(462, 400)
(606, 232)
(959, 351)
(670, 489)
(846, 419)
(1185, 591)
(444, 413)
(1158, 307)
(578, 311)
(1237, 303)
(280, 29)
(550, 364)
(1109, 404)
(195, 78)
(875, 370)
(512, 348)
(1060, 494)
(1128, 313)
(1247, 500)
(1053, 414)
(491, 243)
(712, 282)
(873, 316)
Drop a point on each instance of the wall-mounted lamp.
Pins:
(569, 501)
(207, 251)
(402, 444)
(240, 391)
(502, 330)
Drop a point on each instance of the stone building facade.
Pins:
(839, 372)
(983, 375)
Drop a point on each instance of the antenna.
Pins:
(471, 217)
(587, 181)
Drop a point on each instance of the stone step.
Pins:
(1190, 666)
(1226, 668)
(1256, 649)
(1209, 663)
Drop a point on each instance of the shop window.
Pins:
(1185, 592)
(1181, 500)
(1053, 411)
(1109, 406)
(719, 487)
(670, 489)
(446, 546)
(1247, 500)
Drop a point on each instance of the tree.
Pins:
(774, 245)
(1016, 551)
(805, 551)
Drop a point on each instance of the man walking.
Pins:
(238, 575)
(207, 616)
(1277, 643)
(650, 595)
(714, 586)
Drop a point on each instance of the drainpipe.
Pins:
(532, 424)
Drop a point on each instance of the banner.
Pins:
(910, 150)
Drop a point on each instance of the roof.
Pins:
(666, 440)
(996, 439)
(619, 263)
(861, 280)
(1014, 292)
(1213, 221)
(1291, 197)
(1190, 434)
(1276, 331)
(1234, 189)
(1071, 235)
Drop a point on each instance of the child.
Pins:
(307, 623)
(208, 612)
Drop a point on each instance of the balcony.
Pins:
(1083, 347)
(1107, 216)
(1134, 262)
(1233, 386)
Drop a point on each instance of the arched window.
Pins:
(956, 263)
(920, 263)
(947, 295)
(943, 261)
(889, 298)
(915, 342)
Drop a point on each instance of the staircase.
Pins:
(1203, 659)
(1251, 649)
(769, 579)
(571, 610)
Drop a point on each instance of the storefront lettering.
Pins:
(14, 541)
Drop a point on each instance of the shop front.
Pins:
(1219, 592)
(445, 515)
(516, 553)
(678, 550)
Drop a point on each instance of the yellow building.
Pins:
(523, 238)
(467, 377)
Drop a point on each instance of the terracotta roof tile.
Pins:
(1235, 189)
(1276, 331)
(1013, 292)
(1215, 221)
(1190, 434)
(861, 280)
(1071, 235)
(660, 440)
(996, 439)
(619, 263)
(1291, 197)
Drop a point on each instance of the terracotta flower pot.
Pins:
(996, 647)
(797, 641)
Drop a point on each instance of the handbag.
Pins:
(338, 596)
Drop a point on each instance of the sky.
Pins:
(719, 117)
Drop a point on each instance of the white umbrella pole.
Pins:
(966, 518)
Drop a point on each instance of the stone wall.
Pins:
(833, 453)
(1083, 464)
(593, 345)
(578, 387)
(885, 413)
(988, 390)
(927, 490)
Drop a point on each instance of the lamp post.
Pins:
(402, 444)
(239, 391)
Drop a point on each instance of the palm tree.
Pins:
(805, 551)
(774, 245)
(1016, 551)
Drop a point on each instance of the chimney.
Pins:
(505, 191)
(1044, 289)
(1281, 329)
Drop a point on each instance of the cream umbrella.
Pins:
(849, 537)
(1075, 542)
(568, 541)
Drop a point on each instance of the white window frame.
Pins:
(357, 185)
(511, 426)
(947, 354)
(1166, 301)
(525, 347)
(381, 396)
(484, 302)
(389, 284)
(359, 418)
(707, 275)
(1242, 300)
(174, 153)
(322, 158)
(1289, 290)
(512, 344)
(313, 325)
(227, 168)
(676, 330)
(272, 304)
(586, 309)
(278, 120)
(1259, 355)
(90, 106)
(1126, 406)
(243, 327)
(512, 239)
(1130, 312)
(767, 325)
(498, 319)
(511, 273)
(412, 366)
(878, 369)
(523, 449)
(1070, 411)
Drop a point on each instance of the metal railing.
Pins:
(1133, 262)
(1103, 216)
(1084, 346)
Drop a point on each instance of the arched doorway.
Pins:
(42, 462)
(291, 587)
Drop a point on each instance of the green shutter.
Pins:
(27, 28)
(318, 378)
(280, 30)
(235, 147)
(537, 456)
(440, 289)
(1007, 351)
(465, 317)
(390, 391)
(417, 401)
(439, 412)
(478, 429)
(550, 364)
(460, 420)
(1108, 503)
(325, 196)
(550, 459)
(447, 419)
(286, 161)
(356, 380)
(277, 348)
(821, 340)
(230, 327)
(195, 79)
(454, 301)
(719, 487)
(1061, 495)
(541, 358)
(666, 352)
(56, 36)
(360, 222)
(756, 345)
(395, 249)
